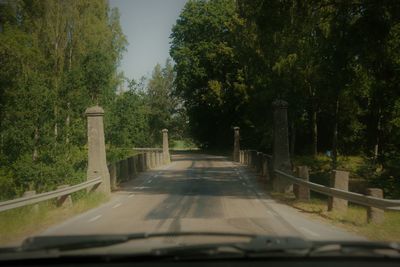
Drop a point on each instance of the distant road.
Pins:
(197, 193)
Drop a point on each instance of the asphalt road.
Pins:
(197, 193)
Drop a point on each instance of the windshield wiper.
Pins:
(258, 246)
(255, 246)
(354, 248)
(72, 242)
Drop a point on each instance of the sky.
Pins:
(147, 25)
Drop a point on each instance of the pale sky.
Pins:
(147, 25)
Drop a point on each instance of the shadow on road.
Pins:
(200, 178)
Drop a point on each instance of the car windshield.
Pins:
(234, 126)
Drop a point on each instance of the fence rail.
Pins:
(256, 160)
(350, 196)
(24, 201)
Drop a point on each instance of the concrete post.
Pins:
(236, 144)
(339, 180)
(153, 159)
(97, 164)
(301, 192)
(158, 159)
(64, 201)
(375, 215)
(167, 158)
(148, 160)
(281, 158)
(113, 176)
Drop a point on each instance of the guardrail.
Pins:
(127, 169)
(338, 195)
(30, 200)
(361, 199)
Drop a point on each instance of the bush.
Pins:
(7, 184)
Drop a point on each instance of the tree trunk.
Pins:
(377, 139)
(36, 141)
(335, 135)
(314, 132)
(67, 123)
(55, 123)
(292, 139)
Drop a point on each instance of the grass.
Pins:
(354, 220)
(16, 224)
(359, 169)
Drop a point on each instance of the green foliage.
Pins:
(209, 76)
(335, 62)
(57, 59)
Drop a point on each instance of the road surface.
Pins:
(197, 193)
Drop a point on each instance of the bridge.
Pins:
(159, 190)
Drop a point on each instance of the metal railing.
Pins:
(256, 160)
(29, 200)
(347, 195)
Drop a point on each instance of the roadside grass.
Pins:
(17, 224)
(183, 145)
(354, 220)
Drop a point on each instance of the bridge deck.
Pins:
(197, 192)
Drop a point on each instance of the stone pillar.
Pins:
(375, 215)
(97, 164)
(301, 192)
(236, 144)
(281, 158)
(167, 158)
(339, 180)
